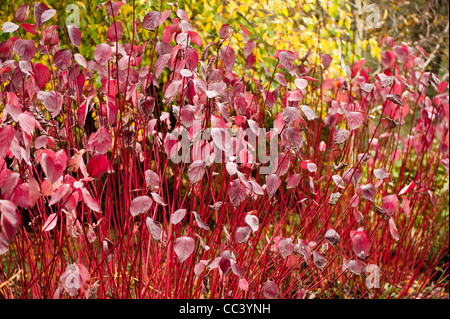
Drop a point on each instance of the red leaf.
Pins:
(389, 204)
(184, 247)
(140, 205)
(22, 13)
(294, 137)
(245, 30)
(271, 290)
(90, 201)
(151, 20)
(25, 49)
(6, 137)
(407, 189)
(195, 38)
(50, 223)
(42, 74)
(360, 243)
(30, 28)
(228, 57)
(97, 166)
(62, 59)
(102, 53)
(191, 58)
(326, 60)
(9, 183)
(161, 63)
(74, 35)
(286, 57)
(100, 141)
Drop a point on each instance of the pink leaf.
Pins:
(237, 193)
(272, 182)
(237, 270)
(293, 181)
(9, 220)
(405, 207)
(354, 266)
(177, 216)
(140, 205)
(355, 120)
(39, 9)
(100, 141)
(90, 201)
(199, 221)
(252, 221)
(25, 49)
(113, 7)
(152, 179)
(271, 290)
(301, 83)
(53, 164)
(242, 234)
(341, 136)
(368, 192)
(50, 223)
(151, 20)
(309, 113)
(196, 171)
(154, 228)
(249, 47)
(243, 284)
(9, 27)
(381, 173)
(102, 53)
(9, 183)
(332, 237)
(6, 138)
(184, 247)
(290, 114)
(157, 198)
(319, 260)
(172, 89)
(74, 35)
(52, 101)
(393, 229)
(98, 165)
(286, 247)
(222, 138)
(47, 15)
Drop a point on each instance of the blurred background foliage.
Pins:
(347, 30)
